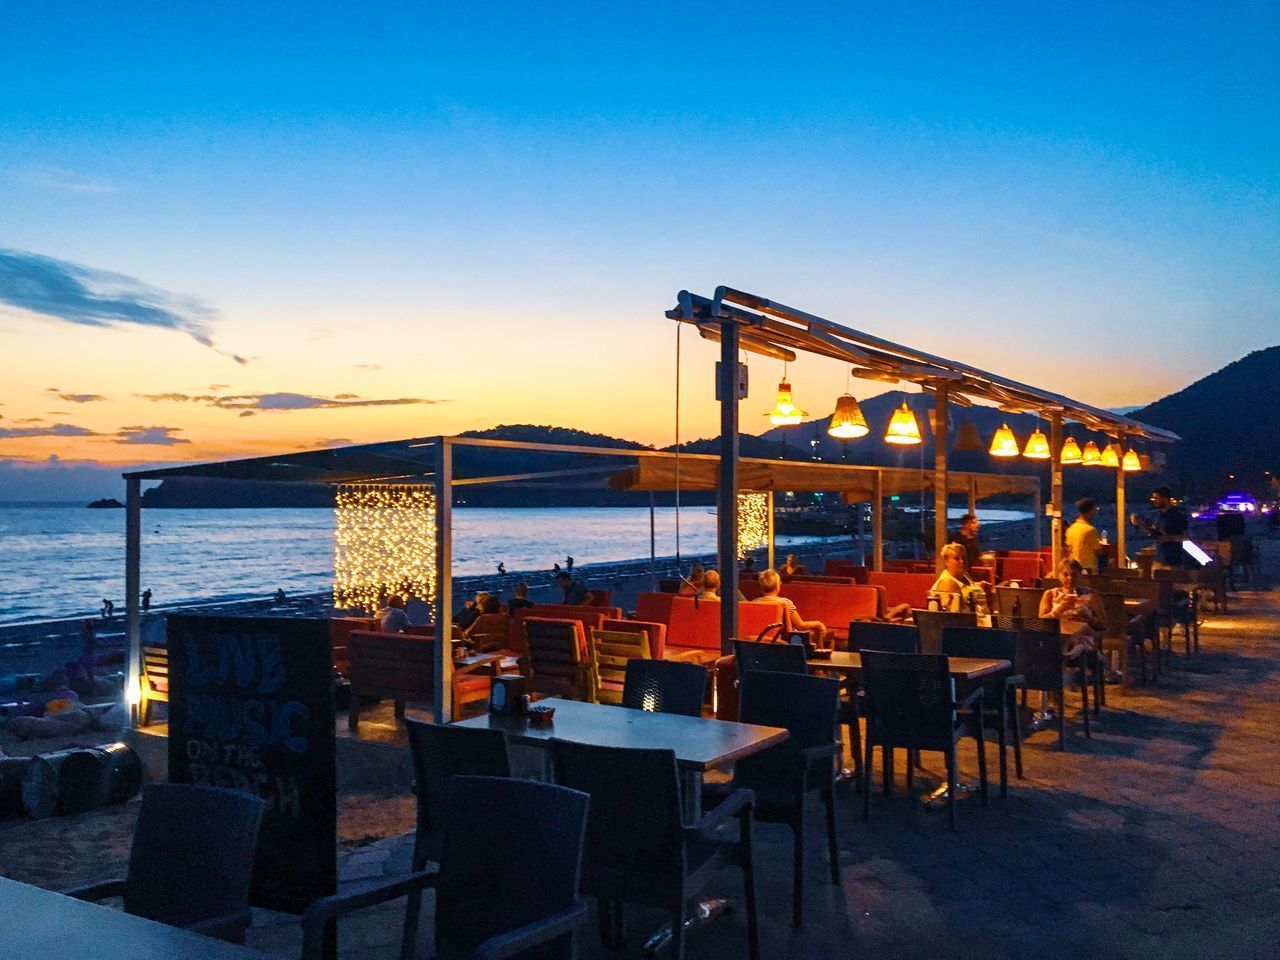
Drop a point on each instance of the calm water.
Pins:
(60, 561)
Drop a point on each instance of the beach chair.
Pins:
(611, 652)
(155, 680)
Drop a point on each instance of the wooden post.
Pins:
(1055, 488)
(442, 608)
(132, 590)
(727, 490)
(1122, 557)
(1037, 507)
(877, 521)
(769, 507)
(862, 535)
(973, 495)
(653, 545)
(940, 486)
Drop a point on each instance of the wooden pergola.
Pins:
(448, 462)
(745, 321)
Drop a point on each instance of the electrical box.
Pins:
(742, 380)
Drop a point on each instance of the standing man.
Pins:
(1082, 536)
(1169, 528)
(967, 536)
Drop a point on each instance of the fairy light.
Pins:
(753, 522)
(384, 542)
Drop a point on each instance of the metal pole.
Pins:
(940, 486)
(1055, 488)
(769, 506)
(442, 609)
(727, 491)
(1038, 509)
(862, 533)
(653, 547)
(1122, 557)
(132, 588)
(877, 521)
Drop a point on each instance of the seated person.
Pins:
(692, 585)
(1075, 605)
(791, 567)
(471, 609)
(575, 594)
(521, 600)
(770, 584)
(954, 581)
(392, 618)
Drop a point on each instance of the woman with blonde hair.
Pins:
(955, 581)
(770, 584)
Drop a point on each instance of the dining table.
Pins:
(849, 662)
(42, 923)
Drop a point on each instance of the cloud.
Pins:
(368, 366)
(59, 179)
(77, 397)
(277, 402)
(52, 430)
(326, 443)
(151, 436)
(96, 298)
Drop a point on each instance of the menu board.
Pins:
(251, 708)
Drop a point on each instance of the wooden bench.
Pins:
(155, 679)
(402, 666)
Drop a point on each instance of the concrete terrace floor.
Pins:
(1160, 837)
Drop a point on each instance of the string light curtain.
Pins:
(753, 525)
(385, 541)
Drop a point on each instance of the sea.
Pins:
(62, 560)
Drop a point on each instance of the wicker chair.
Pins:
(1126, 634)
(891, 638)
(773, 657)
(665, 686)
(782, 777)
(191, 861)
(999, 693)
(911, 702)
(485, 909)
(931, 623)
(638, 848)
(1039, 662)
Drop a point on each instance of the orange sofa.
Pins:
(834, 604)
(591, 618)
(912, 588)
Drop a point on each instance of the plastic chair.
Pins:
(191, 862)
(783, 776)
(508, 881)
(638, 848)
(999, 693)
(911, 702)
(665, 686)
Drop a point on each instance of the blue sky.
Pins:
(490, 205)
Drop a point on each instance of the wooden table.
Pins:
(41, 923)
(962, 668)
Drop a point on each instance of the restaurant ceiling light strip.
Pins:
(384, 543)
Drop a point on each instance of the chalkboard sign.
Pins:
(251, 707)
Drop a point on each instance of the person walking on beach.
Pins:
(146, 600)
(108, 609)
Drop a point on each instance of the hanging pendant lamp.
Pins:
(1110, 455)
(848, 423)
(1004, 443)
(903, 428)
(1070, 451)
(1037, 447)
(1092, 456)
(968, 440)
(785, 413)
(1131, 463)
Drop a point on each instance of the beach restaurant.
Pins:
(633, 709)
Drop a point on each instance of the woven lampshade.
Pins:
(785, 413)
(968, 440)
(1092, 456)
(848, 423)
(1037, 447)
(1004, 443)
(1131, 463)
(1071, 451)
(903, 428)
(1111, 455)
